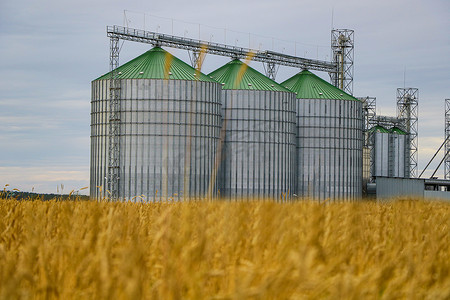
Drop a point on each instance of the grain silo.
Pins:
(329, 139)
(399, 151)
(381, 151)
(390, 154)
(259, 122)
(169, 128)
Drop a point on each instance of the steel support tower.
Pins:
(271, 70)
(114, 122)
(370, 120)
(194, 56)
(342, 47)
(370, 116)
(447, 138)
(407, 109)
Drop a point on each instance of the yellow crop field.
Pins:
(224, 250)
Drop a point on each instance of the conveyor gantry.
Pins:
(266, 56)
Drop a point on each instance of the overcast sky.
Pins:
(51, 51)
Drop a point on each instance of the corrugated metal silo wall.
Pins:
(391, 155)
(407, 156)
(398, 143)
(381, 154)
(169, 134)
(329, 148)
(258, 158)
(99, 139)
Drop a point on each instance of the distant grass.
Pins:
(18, 195)
(224, 250)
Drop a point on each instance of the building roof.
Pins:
(236, 75)
(379, 128)
(398, 131)
(309, 86)
(154, 64)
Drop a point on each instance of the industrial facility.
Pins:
(161, 129)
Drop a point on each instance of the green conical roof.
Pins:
(379, 128)
(152, 65)
(309, 86)
(398, 131)
(251, 79)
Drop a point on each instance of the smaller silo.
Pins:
(259, 122)
(381, 151)
(399, 166)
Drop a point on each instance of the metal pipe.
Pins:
(434, 157)
(440, 164)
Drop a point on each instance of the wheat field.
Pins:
(224, 250)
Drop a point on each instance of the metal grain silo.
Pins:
(381, 151)
(169, 128)
(399, 162)
(329, 139)
(259, 122)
